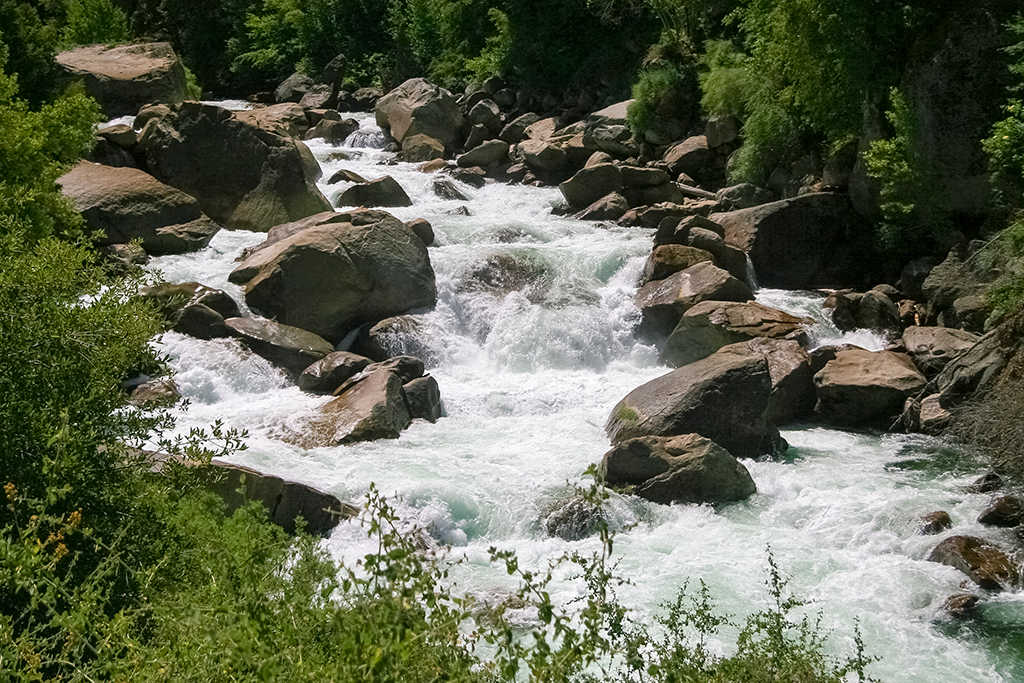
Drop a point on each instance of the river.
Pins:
(528, 380)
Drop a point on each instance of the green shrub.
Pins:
(726, 84)
(655, 85)
(94, 21)
(31, 48)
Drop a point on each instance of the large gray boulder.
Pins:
(723, 398)
(866, 388)
(932, 348)
(663, 302)
(123, 78)
(672, 258)
(976, 369)
(244, 177)
(789, 365)
(420, 108)
(608, 131)
(339, 271)
(127, 204)
(590, 184)
(806, 242)
(290, 348)
(490, 152)
(708, 326)
(331, 371)
(372, 408)
(678, 469)
(691, 156)
(380, 192)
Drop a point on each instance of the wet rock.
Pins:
(331, 371)
(663, 302)
(866, 387)
(484, 155)
(244, 178)
(373, 408)
(723, 397)
(408, 368)
(124, 78)
(397, 336)
(984, 563)
(932, 348)
(421, 228)
(156, 393)
(445, 188)
(424, 398)
(127, 204)
(708, 326)
(285, 500)
(418, 107)
(173, 298)
(668, 259)
(934, 523)
(332, 132)
(385, 192)
(419, 148)
(807, 242)
(590, 184)
(346, 176)
(679, 469)
(290, 348)
(793, 394)
(201, 322)
(1005, 511)
(960, 605)
(611, 207)
(986, 483)
(338, 271)
(573, 521)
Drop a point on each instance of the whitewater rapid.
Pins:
(528, 380)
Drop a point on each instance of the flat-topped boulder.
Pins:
(672, 258)
(866, 388)
(708, 326)
(287, 347)
(723, 397)
(243, 176)
(678, 469)
(123, 78)
(418, 107)
(590, 184)
(806, 242)
(932, 348)
(331, 371)
(126, 204)
(338, 271)
(287, 118)
(663, 302)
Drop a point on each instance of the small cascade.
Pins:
(531, 343)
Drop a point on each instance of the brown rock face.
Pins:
(127, 204)
(934, 523)
(710, 325)
(244, 177)
(723, 398)
(286, 119)
(663, 302)
(672, 258)
(372, 408)
(381, 192)
(866, 387)
(1004, 511)
(789, 365)
(679, 469)
(124, 78)
(932, 348)
(418, 107)
(287, 347)
(331, 371)
(982, 562)
(339, 271)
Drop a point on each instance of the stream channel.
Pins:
(528, 379)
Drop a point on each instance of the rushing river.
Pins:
(528, 380)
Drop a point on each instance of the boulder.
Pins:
(807, 242)
(287, 119)
(422, 228)
(691, 156)
(372, 408)
(123, 78)
(484, 155)
(541, 156)
(950, 280)
(973, 370)
(445, 188)
(789, 366)
(244, 177)
(173, 298)
(721, 130)
(156, 393)
(934, 523)
(380, 192)
(611, 207)
(663, 302)
(1004, 511)
(672, 258)
(960, 605)
(346, 176)
(590, 184)
(477, 136)
(293, 88)
(424, 398)
(201, 322)
(396, 336)
(417, 107)
(487, 114)
(338, 271)
(408, 368)
(285, 501)
(287, 347)
(127, 204)
(743, 196)
(607, 131)
(984, 563)
(986, 483)
(419, 148)
(331, 131)
(544, 129)
(642, 176)
(710, 325)
(515, 131)
(723, 397)
(121, 135)
(932, 348)
(331, 371)
(678, 469)
(863, 387)
(926, 415)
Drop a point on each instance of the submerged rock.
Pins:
(288, 347)
(372, 408)
(984, 563)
